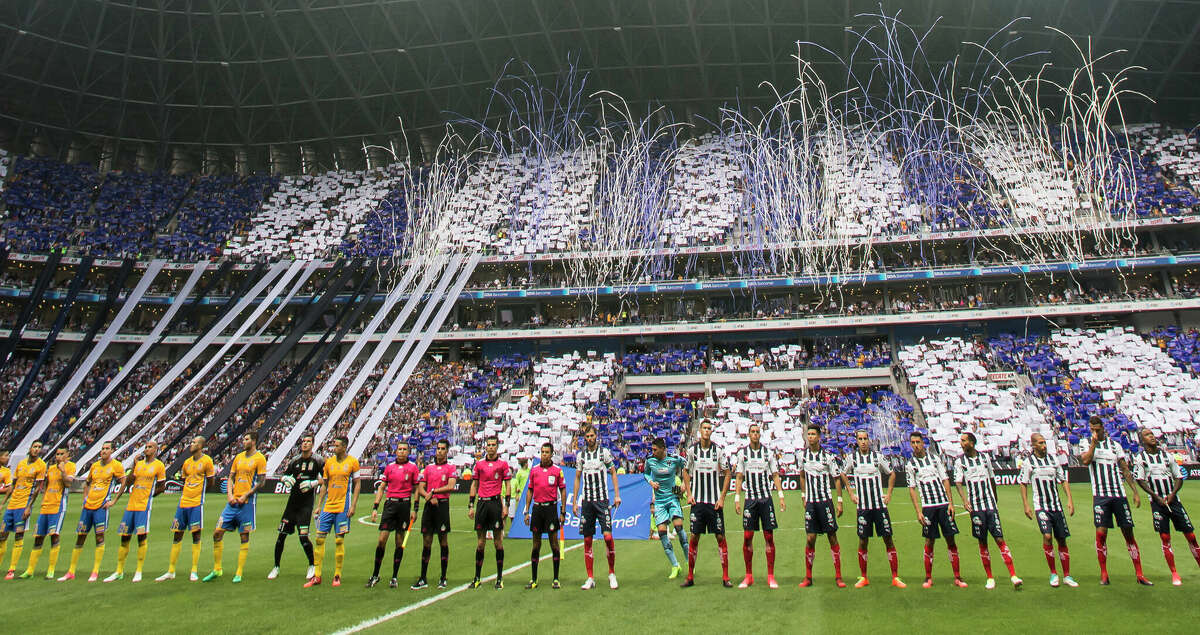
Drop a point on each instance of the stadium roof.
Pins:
(257, 72)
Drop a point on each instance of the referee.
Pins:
(399, 481)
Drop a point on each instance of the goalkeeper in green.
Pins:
(301, 476)
(661, 472)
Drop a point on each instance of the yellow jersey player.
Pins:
(54, 509)
(147, 480)
(340, 473)
(198, 470)
(27, 483)
(241, 487)
(102, 478)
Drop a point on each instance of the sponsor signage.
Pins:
(630, 521)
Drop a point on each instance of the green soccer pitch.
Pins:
(645, 601)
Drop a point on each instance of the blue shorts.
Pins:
(666, 511)
(134, 522)
(14, 521)
(92, 518)
(188, 518)
(49, 524)
(239, 518)
(338, 521)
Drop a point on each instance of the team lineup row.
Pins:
(703, 479)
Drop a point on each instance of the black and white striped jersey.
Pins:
(594, 466)
(926, 474)
(819, 468)
(976, 473)
(1042, 475)
(1105, 469)
(1159, 471)
(704, 466)
(866, 471)
(758, 469)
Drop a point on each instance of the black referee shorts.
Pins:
(1107, 509)
(938, 522)
(296, 518)
(759, 513)
(707, 519)
(488, 514)
(984, 522)
(1053, 523)
(1174, 514)
(396, 512)
(543, 519)
(592, 513)
(435, 519)
(874, 522)
(819, 518)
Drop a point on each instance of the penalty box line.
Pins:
(362, 626)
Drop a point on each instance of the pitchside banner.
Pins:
(631, 521)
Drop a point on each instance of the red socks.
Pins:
(809, 555)
(928, 561)
(1136, 556)
(724, 548)
(836, 551)
(1168, 553)
(587, 554)
(1048, 550)
(693, 543)
(894, 561)
(986, 557)
(1102, 553)
(954, 561)
(1064, 556)
(748, 551)
(769, 537)
(1006, 555)
(1191, 539)
(611, 551)
(862, 562)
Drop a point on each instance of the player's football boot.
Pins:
(213, 575)
(67, 577)
(805, 583)
(237, 579)
(274, 573)
(927, 584)
(419, 584)
(841, 584)
(747, 582)
(165, 577)
(771, 583)
(958, 582)
(137, 576)
(1104, 580)
(442, 583)
(687, 582)
(727, 583)
(990, 584)
(1175, 580)
(25, 575)
(899, 584)
(1054, 580)
(588, 584)
(1069, 581)
(393, 583)
(499, 584)
(1016, 582)
(193, 577)
(555, 584)
(12, 573)
(532, 585)
(337, 581)
(312, 582)
(114, 577)
(50, 574)
(1141, 579)
(94, 577)
(612, 581)
(862, 582)
(675, 571)
(372, 582)
(475, 583)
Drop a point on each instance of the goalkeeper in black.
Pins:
(301, 476)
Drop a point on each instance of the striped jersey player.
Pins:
(1159, 475)
(929, 489)
(594, 465)
(973, 471)
(864, 469)
(757, 473)
(820, 470)
(1042, 475)
(706, 480)
(1108, 466)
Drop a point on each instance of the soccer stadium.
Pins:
(501, 314)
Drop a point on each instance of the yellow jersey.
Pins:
(194, 474)
(338, 476)
(25, 478)
(101, 485)
(245, 472)
(55, 499)
(145, 476)
(5, 479)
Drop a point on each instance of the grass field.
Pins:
(646, 601)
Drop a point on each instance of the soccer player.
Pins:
(437, 480)
(54, 509)
(757, 470)
(867, 466)
(929, 488)
(246, 476)
(547, 491)
(706, 480)
(198, 471)
(103, 477)
(819, 469)
(1106, 462)
(28, 482)
(338, 476)
(147, 480)
(489, 480)
(594, 464)
(303, 475)
(1160, 476)
(974, 470)
(399, 479)
(661, 471)
(1045, 476)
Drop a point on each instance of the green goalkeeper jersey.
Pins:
(664, 472)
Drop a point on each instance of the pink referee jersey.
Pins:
(435, 476)
(546, 483)
(491, 475)
(401, 479)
